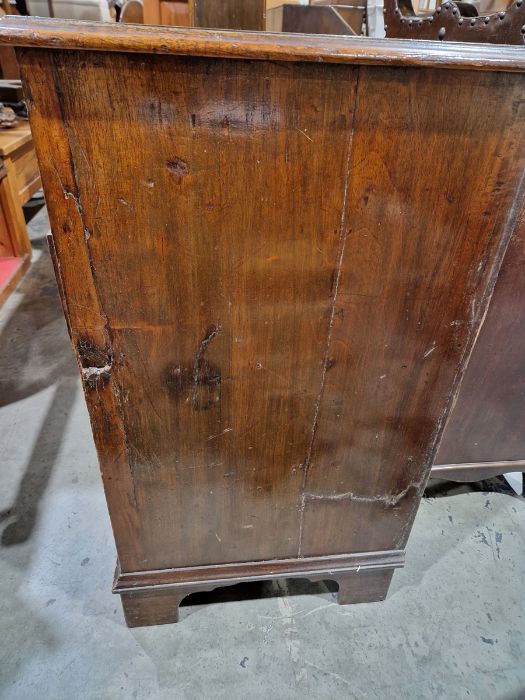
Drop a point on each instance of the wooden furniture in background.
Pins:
(313, 19)
(132, 12)
(229, 14)
(11, 90)
(20, 180)
(352, 11)
(254, 15)
(272, 296)
(8, 64)
(448, 24)
(165, 12)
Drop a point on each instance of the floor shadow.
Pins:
(254, 590)
(35, 354)
(34, 344)
(440, 488)
(24, 510)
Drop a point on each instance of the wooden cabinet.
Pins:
(229, 14)
(19, 180)
(271, 292)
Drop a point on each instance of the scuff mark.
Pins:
(389, 499)
(96, 378)
(200, 365)
(211, 333)
(330, 673)
(290, 630)
(88, 372)
(223, 432)
(68, 194)
(429, 351)
(178, 167)
(304, 134)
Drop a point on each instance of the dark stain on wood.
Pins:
(179, 168)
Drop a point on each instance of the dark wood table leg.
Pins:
(364, 586)
(155, 608)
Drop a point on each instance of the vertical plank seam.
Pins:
(341, 250)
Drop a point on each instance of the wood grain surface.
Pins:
(487, 423)
(100, 36)
(274, 274)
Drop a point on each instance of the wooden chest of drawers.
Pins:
(275, 255)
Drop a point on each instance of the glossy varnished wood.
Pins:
(271, 292)
(259, 46)
(213, 349)
(394, 340)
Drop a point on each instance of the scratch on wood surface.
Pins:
(199, 362)
(179, 168)
(75, 196)
(430, 351)
(326, 359)
(211, 333)
(478, 312)
(223, 432)
(304, 134)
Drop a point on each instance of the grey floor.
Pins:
(452, 626)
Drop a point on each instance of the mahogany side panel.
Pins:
(274, 273)
(428, 206)
(209, 238)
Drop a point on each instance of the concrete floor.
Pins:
(452, 626)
